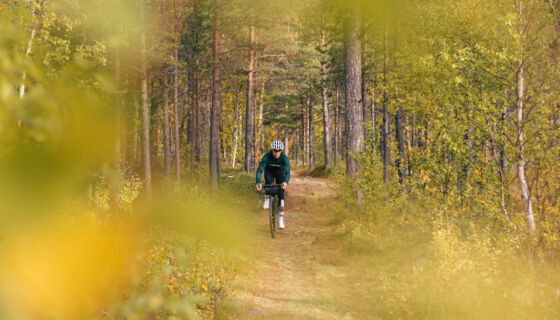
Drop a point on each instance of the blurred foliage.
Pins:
(442, 258)
(77, 239)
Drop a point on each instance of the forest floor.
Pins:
(305, 272)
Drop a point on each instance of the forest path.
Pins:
(304, 273)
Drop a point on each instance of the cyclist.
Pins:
(276, 166)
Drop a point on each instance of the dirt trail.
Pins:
(303, 273)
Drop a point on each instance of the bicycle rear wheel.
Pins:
(272, 213)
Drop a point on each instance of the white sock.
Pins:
(282, 203)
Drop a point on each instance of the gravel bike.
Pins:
(272, 191)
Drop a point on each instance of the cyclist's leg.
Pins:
(280, 177)
(268, 179)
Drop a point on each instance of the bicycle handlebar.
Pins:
(272, 188)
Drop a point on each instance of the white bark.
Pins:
(235, 139)
(525, 193)
(237, 120)
(28, 51)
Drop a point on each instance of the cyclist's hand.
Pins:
(284, 185)
(259, 187)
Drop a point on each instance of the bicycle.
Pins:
(272, 191)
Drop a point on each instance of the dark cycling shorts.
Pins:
(275, 175)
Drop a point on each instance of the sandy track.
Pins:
(303, 273)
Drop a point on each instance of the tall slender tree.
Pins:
(249, 138)
(310, 134)
(145, 111)
(520, 103)
(166, 133)
(176, 108)
(214, 143)
(353, 81)
(327, 146)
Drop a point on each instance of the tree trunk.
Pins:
(237, 119)
(119, 123)
(353, 77)
(118, 160)
(29, 46)
(249, 139)
(213, 143)
(156, 132)
(310, 150)
(198, 124)
(297, 147)
(166, 135)
(335, 133)
(286, 137)
(303, 136)
(326, 122)
(135, 139)
(146, 120)
(193, 116)
(502, 166)
(286, 143)
(385, 129)
(205, 121)
(177, 120)
(373, 127)
(408, 145)
(260, 132)
(525, 193)
(336, 137)
(385, 142)
(255, 138)
(401, 164)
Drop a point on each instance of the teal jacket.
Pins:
(269, 160)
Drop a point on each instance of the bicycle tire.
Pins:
(272, 212)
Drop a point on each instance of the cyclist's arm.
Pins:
(287, 168)
(262, 165)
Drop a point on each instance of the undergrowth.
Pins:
(182, 273)
(444, 258)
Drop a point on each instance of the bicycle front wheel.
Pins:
(273, 209)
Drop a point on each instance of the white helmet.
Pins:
(277, 145)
